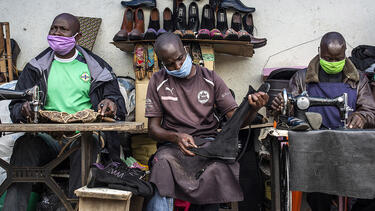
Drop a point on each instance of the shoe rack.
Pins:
(235, 48)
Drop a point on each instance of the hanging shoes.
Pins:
(152, 61)
(248, 23)
(237, 5)
(139, 26)
(208, 19)
(139, 61)
(193, 22)
(181, 17)
(167, 20)
(139, 3)
(126, 26)
(221, 20)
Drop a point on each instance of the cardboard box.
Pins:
(208, 55)
(140, 100)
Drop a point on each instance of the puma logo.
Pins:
(170, 90)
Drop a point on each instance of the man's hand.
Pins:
(185, 141)
(258, 100)
(356, 121)
(26, 110)
(277, 103)
(107, 108)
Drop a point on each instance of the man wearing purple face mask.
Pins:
(72, 79)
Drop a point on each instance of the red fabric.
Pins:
(181, 204)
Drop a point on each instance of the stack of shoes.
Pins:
(207, 22)
(126, 26)
(139, 25)
(248, 24)
(154, 29)
(119, 176)
(152, 61)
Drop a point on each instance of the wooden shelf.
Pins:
(236, 48)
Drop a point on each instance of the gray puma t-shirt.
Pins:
(187, 105)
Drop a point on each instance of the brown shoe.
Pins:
(139, 26)
(126, 26)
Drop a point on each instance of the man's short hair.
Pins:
(332, 37)
(72, 20)
(167, 38)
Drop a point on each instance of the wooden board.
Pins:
(237, 48)
(101, 126)
(103, 193)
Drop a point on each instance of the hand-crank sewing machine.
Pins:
(303, 102)
(32, 95)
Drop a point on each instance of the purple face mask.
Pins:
(61, 45)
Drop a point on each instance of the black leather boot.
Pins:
(221, 20)
(237, 5)
(225, 145)
(193, 23)
(181, 17)
(139, 3)
(208, 19)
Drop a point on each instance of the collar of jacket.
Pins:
(351, 75)
(99, 72)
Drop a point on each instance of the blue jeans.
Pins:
(160, 203)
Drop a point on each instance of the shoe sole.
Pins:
(301, 127)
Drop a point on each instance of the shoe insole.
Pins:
(140, 15)
(129, 15)
(221, 17)
(249, 20)
(167, 15)
(206, 12)
(154, 15)
(236, 18)
(193, 10)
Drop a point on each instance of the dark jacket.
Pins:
(103, 82)
(365, 105)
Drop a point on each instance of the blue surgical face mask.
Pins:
(185, 69)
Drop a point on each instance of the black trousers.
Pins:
(31, 150)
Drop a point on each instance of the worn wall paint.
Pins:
(285, 23)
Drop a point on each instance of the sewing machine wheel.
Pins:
(286, 194)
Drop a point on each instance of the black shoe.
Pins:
(181, 17)
(154, 22)
(193, 23)
(167, 20)
(208, 19)
(221, 20)
(139, 3)
(119, 176)
(236, 4)
(236, 23)
(248, 23)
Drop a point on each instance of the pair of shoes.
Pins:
(193, 19)
(145, 61)
(237, 5)
(139, 3)
(214, 34)
(132, 26)
(119, 176)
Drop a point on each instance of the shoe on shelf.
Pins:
(126, 26)
(193, 21)
(188, 34)
(248, 23)
(139, 62)
(236, 23)
(139, 26)
(203, 34)
(216, 34)
(179, 33)
(154, 19)
(160, 32)
(152, 61)
(221, 20)
(244, 36)
(150, 34)
(231, 34)
(139, 3)
(181, 17)
(258, 42)
(237, 5)
(208, 19)
(167, 20)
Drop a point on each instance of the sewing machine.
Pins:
(303, 102)
(32, 95)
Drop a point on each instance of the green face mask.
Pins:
(332, 67)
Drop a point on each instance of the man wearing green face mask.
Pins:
(329, 75)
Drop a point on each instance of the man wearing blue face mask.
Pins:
(180, 104)
(330, 74)
(72, 79)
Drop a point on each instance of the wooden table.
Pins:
(43, 174)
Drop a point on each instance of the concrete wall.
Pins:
(285, 23)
